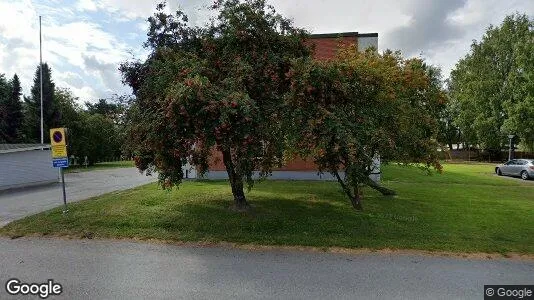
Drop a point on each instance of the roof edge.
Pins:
(371, 34)
(334, 35)
(343, 34)
(40, 147)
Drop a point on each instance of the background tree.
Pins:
(519, 106)
(492, 85)
(345, 112)
(5, 95)
(72, 119)
(105, 108)
(121, 105)
(67, 107)
(15, 117)
(92, 133)
(448, 133)
(218, 87)
(113, 109)
(51, 115)
(94, 138)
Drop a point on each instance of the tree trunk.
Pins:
(240, 202)
(355, 199)
(236, 182)
(383, 190)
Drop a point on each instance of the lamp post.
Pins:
(510, 137)
(41, 78)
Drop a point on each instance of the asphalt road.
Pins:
(16, 204)
(98, 269)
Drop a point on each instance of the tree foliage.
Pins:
(94, 137)
(11, 116)
(110, 109)
(51, 117)
(347, 111)
(493, 86)
(94, 132)
(220, 87)
(4, 99)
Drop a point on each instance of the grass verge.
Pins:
(465, 209)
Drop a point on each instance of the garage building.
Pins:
(23, 165)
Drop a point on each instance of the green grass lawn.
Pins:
(465, 209)
(101, 165)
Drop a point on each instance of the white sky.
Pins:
(85, 40)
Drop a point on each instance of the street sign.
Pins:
(60, 159)
(60, 162)
(57, 137)
(59, 151)
(59, 145)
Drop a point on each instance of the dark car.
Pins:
(523, 168)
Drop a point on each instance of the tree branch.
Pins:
(383, 190)
(354, 199)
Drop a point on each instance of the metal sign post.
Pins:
(65, 210)
(60, 158)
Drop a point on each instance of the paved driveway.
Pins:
(531, 180)
(16, 204)
(100, 269)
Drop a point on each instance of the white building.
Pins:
(23, 165)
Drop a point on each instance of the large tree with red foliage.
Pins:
(220, 87)
(347, 111)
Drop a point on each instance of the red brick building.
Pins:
(325, 47)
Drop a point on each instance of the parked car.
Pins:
(523, 168)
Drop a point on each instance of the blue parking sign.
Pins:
(60, 162)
